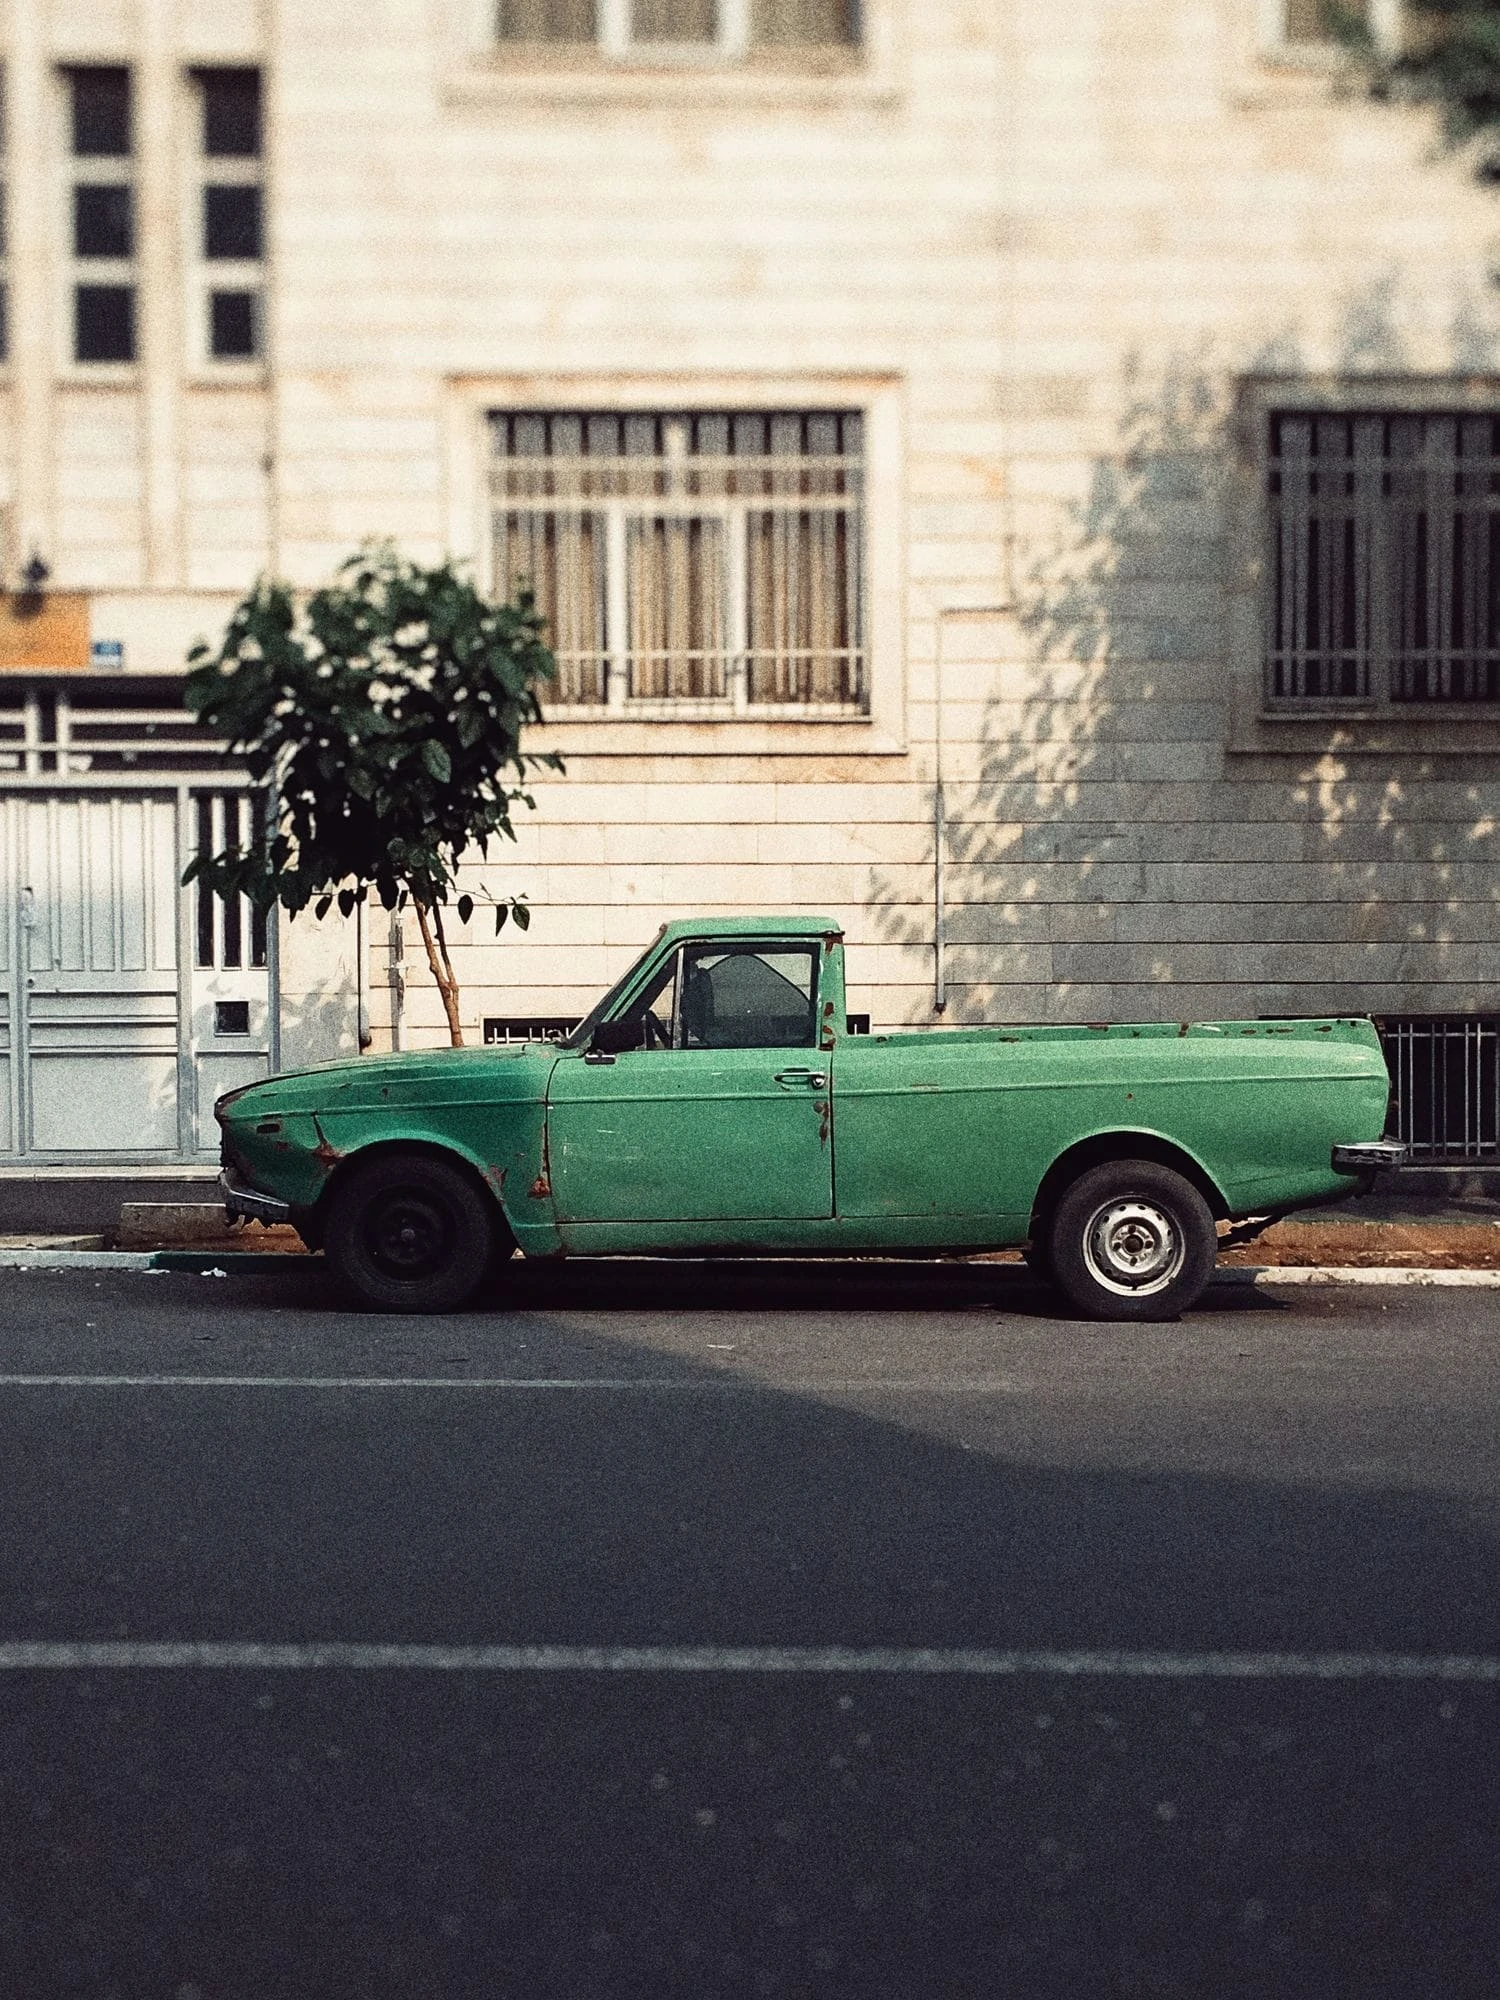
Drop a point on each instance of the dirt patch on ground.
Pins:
(1414, 1245)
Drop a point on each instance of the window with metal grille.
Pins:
(693, 557)
(230, 930)
(501, 1028)
(1445, 1082)
(726, 27)
(1384, 559)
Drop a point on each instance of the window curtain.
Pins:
(559, 558)
(798, 23)
(547, 21)
(676, 597)
(802, 629)
(674, 21)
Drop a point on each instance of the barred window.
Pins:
(696, 556)
(1384, 570)
(729, 27)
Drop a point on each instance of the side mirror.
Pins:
(614, 1038)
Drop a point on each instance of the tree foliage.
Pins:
(1449, 56)
(384, 715)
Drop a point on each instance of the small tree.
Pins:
(384, 714)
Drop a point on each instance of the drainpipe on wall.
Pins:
(398, 979)
(939, 841)
(362, 977)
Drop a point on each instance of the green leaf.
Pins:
(437, 760)
(465, 908)
(325, 904)
(522, 916)
(501, 913)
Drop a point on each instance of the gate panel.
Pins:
(98, 935)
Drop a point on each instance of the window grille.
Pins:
(229, 930)
(500, 1029)
(697, 557)
(729, 27)
(1384, 567)
(1445, 1078)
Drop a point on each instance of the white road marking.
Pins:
(984, 1663)
(721, 1384)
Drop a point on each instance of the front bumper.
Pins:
(251, 1203)
(1370, 1157)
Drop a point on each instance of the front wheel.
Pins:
(1132, 1240)
(409, 1233)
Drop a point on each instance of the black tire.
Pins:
(409, 1233)
(1131, 1240)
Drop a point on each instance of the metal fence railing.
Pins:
(1445, 1076)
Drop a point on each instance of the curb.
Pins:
(258, 1263)
(1266, 1277)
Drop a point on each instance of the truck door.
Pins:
(717, 1111)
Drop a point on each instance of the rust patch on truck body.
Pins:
(541, 1187)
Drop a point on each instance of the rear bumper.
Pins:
(1371, 1156)
(251, 1203)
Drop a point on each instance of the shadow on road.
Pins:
(254, 1836)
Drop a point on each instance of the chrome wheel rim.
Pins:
(1134, 1248)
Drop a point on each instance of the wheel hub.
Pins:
(407, 1236)
(1134, 1248)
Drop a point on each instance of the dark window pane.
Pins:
(103, 222)
(231, 326)
(231, 113)
(547, 20)
(231, 222)
(804, 23)
(104, 323)
(674, 21)
(101, 113)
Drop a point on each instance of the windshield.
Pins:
(583, 1034)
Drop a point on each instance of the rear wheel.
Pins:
(409, 1233)
(1132, 1240)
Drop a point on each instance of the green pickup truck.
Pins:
(714, 1104)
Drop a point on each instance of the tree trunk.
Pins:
(430, 922)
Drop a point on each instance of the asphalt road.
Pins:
(698, 1462)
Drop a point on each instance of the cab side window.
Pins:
(747, 999)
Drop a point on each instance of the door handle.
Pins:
(814, 1079)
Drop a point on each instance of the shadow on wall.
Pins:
(1109, 854)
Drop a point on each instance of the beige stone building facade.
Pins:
(1020, 479)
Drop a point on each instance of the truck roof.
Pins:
(754, 925)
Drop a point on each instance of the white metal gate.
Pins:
(126, 1003)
